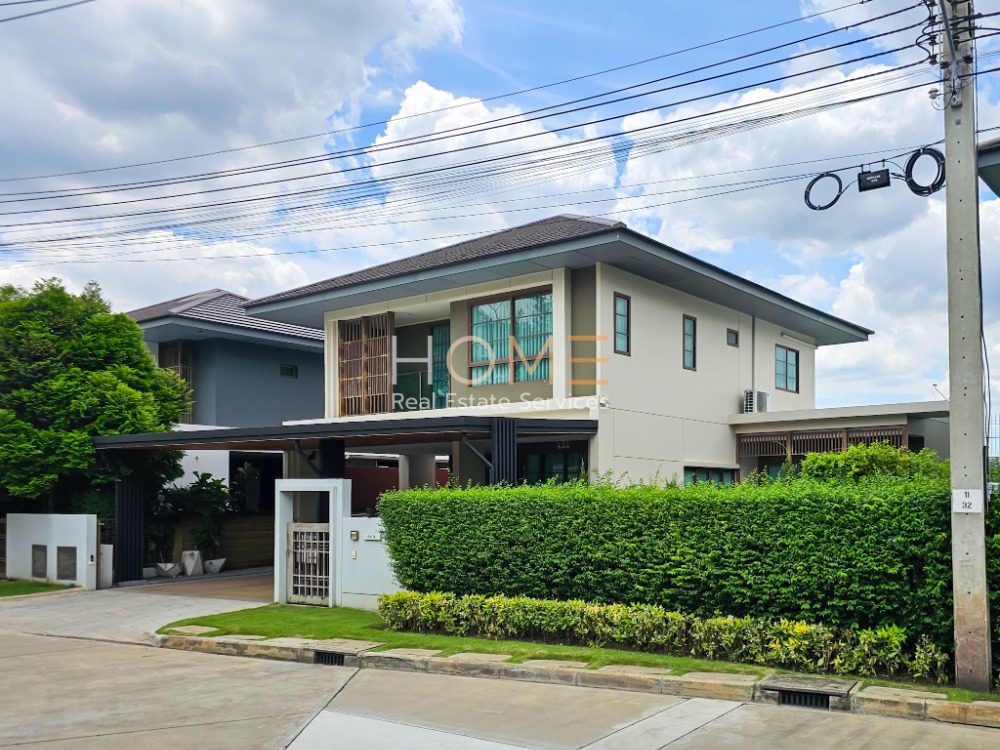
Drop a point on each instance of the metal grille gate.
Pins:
(309, 563)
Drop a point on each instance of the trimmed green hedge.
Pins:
(856, 555)
(782, 643)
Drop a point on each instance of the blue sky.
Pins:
(116, 83)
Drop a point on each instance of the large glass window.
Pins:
(690, 343)
(528, 320)
(623, 324)
(697, 474)
(786, 369)
(440, 342)
(491, 323)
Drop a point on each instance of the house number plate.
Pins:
(966, 501)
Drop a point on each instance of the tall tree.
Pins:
(70, 369)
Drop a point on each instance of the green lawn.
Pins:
(16, 588)
(278, 620)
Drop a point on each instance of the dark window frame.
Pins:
(694, 343)
(511, 358)
(627, 351)
(733, 337)
(788, 350)
(293, 371)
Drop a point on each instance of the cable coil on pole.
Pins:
(812, 183)
(938, 183)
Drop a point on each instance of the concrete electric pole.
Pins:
(965, 330)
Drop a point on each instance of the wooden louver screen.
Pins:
(895, 436)
(365, 365)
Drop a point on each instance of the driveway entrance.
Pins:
(128, 615)
(258, 587)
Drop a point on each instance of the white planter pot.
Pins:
(191, 560)
(214, 566)
(169, 570)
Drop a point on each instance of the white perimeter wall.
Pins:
(53, 531)
(360, 571)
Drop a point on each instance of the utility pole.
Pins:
(965, 329)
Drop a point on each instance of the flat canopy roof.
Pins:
(354, 434)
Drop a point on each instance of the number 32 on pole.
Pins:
(966, 501)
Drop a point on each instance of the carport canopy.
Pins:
(330, 440)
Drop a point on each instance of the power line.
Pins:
(653, 144)
(489, 125)
(444, 109)
(459, 150)
(46, 10)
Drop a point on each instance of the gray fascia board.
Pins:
(479, 264)
(588, 247)
(237, 332)
(689, 262)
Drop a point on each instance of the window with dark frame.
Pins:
(690, 343)
(701, 474)
(732, 337)
(623, 324)
(786, 369)
(289, 371)
(522, 320)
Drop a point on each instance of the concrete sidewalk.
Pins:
(67, 694)
(379, 710)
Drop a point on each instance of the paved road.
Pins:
(76, 694)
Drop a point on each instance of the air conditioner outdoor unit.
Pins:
(755, 402)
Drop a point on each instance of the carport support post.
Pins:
(130, 536)
(504, 433)
(332, 458)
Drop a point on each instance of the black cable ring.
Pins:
(937, 184)
(809, 187)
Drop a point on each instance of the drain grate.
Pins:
(329, 658)
(806, 700)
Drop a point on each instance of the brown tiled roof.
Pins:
(535, 234)
(221, 307)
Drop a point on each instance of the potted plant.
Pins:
(160, 533)
(209, 498)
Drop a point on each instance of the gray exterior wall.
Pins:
(239, 385)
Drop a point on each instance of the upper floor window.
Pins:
(179, 357)
(690, 343)
(732, 337)
(623, 324)
(786, 369)
(512, 339)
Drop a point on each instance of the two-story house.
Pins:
(564, 348)
(578, 318)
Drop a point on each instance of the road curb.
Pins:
(872, 701)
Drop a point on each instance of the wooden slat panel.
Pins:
(868, 435)
(366, 365)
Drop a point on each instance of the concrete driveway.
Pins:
(126, 615)
(68, 694)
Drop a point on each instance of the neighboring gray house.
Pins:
(244, 372)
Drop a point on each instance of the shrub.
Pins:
(784, 643)
(857, 554)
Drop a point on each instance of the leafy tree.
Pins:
(70, 369)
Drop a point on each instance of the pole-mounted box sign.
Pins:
(873, 180)
(966, 501)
